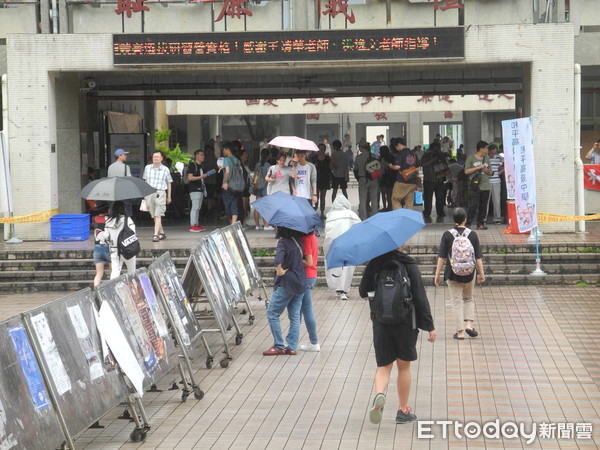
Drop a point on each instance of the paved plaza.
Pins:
(536, 362)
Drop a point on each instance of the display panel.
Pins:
(319, 45)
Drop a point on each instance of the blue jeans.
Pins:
(196, 198)
(280, 300)
(307, 312)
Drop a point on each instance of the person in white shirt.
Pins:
(305, 178)
(159, 177)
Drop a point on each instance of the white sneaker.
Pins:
(343, 296)
(259, 228)
(269, 228)
(310, 347)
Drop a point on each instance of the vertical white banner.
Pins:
(517, 138)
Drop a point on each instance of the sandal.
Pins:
(155, 238)
(162, 236)
(458, 338)
(471, 332)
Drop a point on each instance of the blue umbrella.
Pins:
(373, 237)
(287, 211)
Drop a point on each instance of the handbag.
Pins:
(441, 170)
(475, 180)
(373, 169)
(144, 205)
(409, 174)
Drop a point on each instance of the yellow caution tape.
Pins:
(43, 216)
(550, 218)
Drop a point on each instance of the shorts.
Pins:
(157, 203)
(101, 253)
(260, 192)
(394, 341)
(339, 183)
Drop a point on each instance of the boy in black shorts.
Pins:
(396, 342)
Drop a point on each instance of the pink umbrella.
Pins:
(294, 142)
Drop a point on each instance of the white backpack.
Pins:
(462, 256)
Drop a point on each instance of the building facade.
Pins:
(467, 63)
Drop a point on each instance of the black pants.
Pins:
(437, 188)
(478, 202)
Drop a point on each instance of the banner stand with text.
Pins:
(517, 137)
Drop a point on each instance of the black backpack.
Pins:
(392, 303)
(128, 245)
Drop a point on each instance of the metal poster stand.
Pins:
(180, 315)
(232, 269)
(244, 250)
(204, 274)
(83, 384)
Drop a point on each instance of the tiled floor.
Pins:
(536, 361)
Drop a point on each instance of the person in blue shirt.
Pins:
(288, 291)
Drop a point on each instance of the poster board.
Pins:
(27, 417)
(202, 273)
(142, 324)
(237, 259)
(172, 295)
(86, 385)
(244, 249)
(135, 144)
(231, 271)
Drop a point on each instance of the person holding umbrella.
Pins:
(381, 239)
(114, 225)
(289, 288)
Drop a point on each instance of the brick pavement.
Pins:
(535, 361)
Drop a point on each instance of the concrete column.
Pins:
(413, 132)
(45, 16)
(63, 17)
(472, 123)
(214, 127)
(194, 133)
(161, 120)
(68, 150)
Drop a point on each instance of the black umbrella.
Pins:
(116, 188)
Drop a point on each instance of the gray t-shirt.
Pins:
(282, 177)
(118, 169)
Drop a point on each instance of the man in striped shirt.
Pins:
(497, 168)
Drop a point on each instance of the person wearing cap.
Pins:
(120, 169)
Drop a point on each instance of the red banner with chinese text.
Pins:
(591, 176)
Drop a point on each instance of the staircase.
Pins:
(73, 270)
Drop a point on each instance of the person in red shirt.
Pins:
(310, 258)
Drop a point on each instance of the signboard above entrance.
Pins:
(289, 46)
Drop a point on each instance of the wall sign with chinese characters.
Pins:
(322, 45)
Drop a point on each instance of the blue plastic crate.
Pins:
(70, 227)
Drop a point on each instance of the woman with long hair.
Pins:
(114, 225)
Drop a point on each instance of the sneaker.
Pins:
(274, 351)
(269, 228)
(343, 296)
(201, 228)
(377, 409)
(195, 229)
(258, 228)
(310, 347)
(405, 417)
(289, 351)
